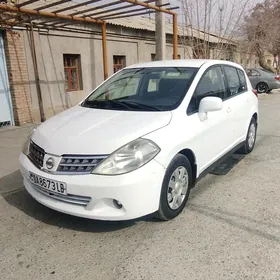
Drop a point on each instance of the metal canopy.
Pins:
(60, 13)
(77, 10)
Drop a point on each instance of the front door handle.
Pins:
(229, 109)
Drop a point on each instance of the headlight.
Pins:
(128, 158)
(25, 148)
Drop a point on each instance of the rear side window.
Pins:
(236, 81)
(252, 73)
(243, 83)
(233, 81)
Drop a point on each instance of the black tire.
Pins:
(247, 148)
(269, 91)
(164, 212)
(262, 87)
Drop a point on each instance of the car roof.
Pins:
(195, 63)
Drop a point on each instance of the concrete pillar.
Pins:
(141, 52)
(160, 33)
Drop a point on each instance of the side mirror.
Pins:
(209, 104)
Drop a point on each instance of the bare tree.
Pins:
(262, 30)
(212, 26)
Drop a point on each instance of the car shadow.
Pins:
(13, 192)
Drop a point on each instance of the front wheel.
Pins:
(175, 188)
(250, 139)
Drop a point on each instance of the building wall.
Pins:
(49, 52)
(135, 45)
(50, 47)
(18, 77)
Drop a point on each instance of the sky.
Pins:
(222, 17)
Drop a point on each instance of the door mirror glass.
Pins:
(209, 104)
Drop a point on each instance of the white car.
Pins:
(141, 140)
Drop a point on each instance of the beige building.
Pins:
(70, 62)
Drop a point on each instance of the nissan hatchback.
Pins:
(140, 141)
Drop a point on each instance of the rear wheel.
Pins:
(250, 139)
(175, 188)
(262, 87)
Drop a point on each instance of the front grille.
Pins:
(69, 198)
(79, 164)
(36, 155)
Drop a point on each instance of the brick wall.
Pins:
(18, 77)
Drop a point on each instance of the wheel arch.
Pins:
(189, 154)
(255, 116)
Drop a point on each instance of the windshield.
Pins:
(143, 89)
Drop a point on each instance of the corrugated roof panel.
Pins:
(137, 22)
(144, 23)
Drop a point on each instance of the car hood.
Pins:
(81, 130)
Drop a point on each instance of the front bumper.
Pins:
(138, 192)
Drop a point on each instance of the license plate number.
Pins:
(48, 184)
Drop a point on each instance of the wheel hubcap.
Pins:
(177, 187)
(252, 136)
(262, 88)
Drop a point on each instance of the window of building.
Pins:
(211, 84)
(119, 62)
(153, 56)
(72, 72)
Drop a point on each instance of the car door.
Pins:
(213, 136)
(238, 99)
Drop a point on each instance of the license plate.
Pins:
(48, 184)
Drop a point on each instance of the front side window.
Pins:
(211, 84)
(143, 89)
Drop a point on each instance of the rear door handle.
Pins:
(229, 109)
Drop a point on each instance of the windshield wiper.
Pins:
(142, 106)
(113, 103)
(91, 103)
(119, 103)
(104, 103)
